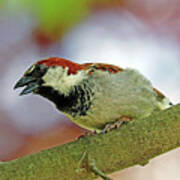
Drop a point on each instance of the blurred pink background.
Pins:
(140, 34)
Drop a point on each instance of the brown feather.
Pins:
(103, 67)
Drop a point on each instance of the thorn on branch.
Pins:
(97, 171)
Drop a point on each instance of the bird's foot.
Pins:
(87, 133)
(118, 123)
(90, 133)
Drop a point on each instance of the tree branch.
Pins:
(134, 143)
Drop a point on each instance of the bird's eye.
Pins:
(36, 71)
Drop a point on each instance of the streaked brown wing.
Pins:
(159, 94)
(103, 67)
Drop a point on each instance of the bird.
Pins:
(95, 96)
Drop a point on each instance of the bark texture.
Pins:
(134, 143)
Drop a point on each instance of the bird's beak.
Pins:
(30, 83)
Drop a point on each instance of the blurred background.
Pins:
(141, 34)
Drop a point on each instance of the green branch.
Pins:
(134, 143)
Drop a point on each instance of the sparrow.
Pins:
(93, 95)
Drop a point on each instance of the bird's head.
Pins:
(56, 73)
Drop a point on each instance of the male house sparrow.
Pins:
(93, 95)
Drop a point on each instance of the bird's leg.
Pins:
(89, 164)
(97, 171)
(116, 124)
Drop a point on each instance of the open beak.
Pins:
(30, 83)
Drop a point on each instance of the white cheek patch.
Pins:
(60, 80)
(52, 76)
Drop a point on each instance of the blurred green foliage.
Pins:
(56, 17)
(2, 3)
(54, 13)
